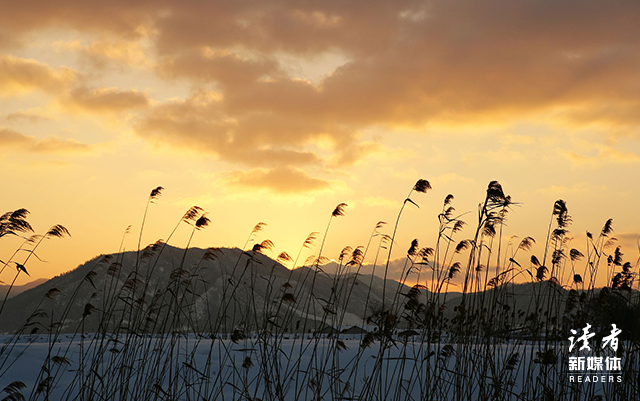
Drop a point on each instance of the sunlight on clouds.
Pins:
(617, 119)
(369, 151)
(32, 115)
(314, 102)
(100, 52)
(317, 18)
(630, 241)
(601, 154)
(313, 67)
(279, 180)
(104, 100)
(416, 14)
(10, 139)
(18, 76)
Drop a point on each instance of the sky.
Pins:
(277, 111)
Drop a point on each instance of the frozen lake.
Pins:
(195, 367)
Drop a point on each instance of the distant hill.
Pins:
(18, 289)
(203, 290)
(255, 285)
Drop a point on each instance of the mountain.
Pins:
(226, 289)
(18, 289)
(200, 290)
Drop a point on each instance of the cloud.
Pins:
(206, 123)
(224, 67)
(445, 61)
(33, 116)
(200, 123)
(20, 75)
(118, 17)
(405, 64)
(623, 115)
(445, 66)
(293, 27)
(439, 64)
(282, 179)
(104, 52)
(440, 59)
(101, 100)
(602, 154)
(7, 40)
(10, 139)
(630, 243)
(354, 152)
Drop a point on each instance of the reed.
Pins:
(477, 315)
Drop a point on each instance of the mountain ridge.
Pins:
(69, 296)
(222, 289)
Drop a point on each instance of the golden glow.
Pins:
(276, 114)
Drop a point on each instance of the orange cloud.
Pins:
(199, 123)
(32, 116)
(19, 75)
(630, 242)
(282, 179)
(411, 63)
(622, 116)
(603, 155)
(117, 17)
(100, 100)
(224, 67)
(10, 139)
(408, 64)
(104, 52)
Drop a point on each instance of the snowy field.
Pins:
(195, 368)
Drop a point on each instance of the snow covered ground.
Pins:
(195, 367)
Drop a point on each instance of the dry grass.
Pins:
(270, 334)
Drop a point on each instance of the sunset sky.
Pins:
(276, 111)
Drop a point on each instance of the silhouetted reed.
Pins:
(475, 317)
